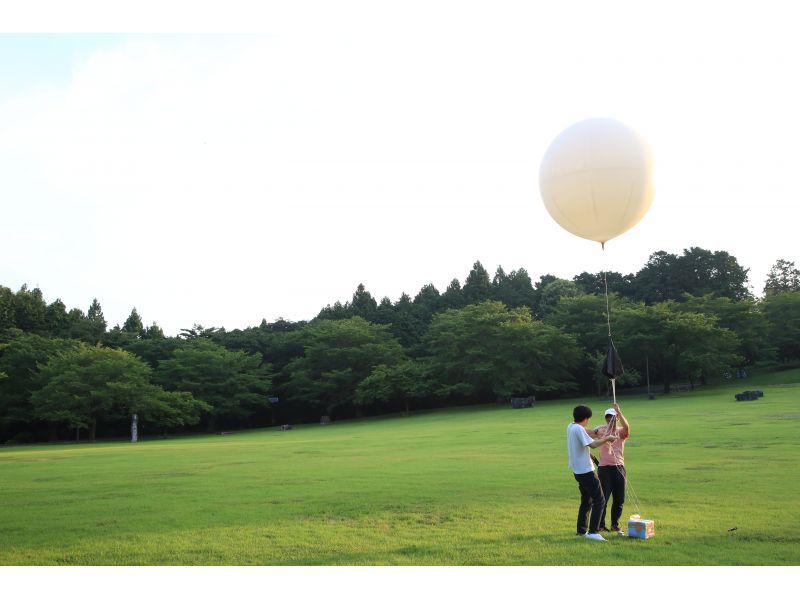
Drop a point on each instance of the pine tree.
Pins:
(453, 297)
(477, 286)
(133, 324)
(96, 322)
(363, 304)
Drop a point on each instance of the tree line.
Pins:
(687, 318)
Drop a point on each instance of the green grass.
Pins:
(470, 486)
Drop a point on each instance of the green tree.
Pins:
(337, 311)
(21, 358)
(701, 272)
(630, 376)
(486, 351)
(405, 383)
(363, 304)
(745, 318)
(407, 321)
(514, 289)
(697, 272)
(93, 327)
(57, 321)
(338, 355)
(783, 277)
(678, 344)
(655, 282)
(384, 314)
(552, 293)
(595, 284)
(428, 302)
(782, 311)
(197, 332)
(155, 350)
(152, 332)
(30, 310)
(133, 325)
(453, 298)
(7, 300)
(233, 383)
(3, 375)
(477, 286)
(87, 385)
(584, 317)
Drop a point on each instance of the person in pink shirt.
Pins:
(611, 469)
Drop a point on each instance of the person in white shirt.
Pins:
(578, 444)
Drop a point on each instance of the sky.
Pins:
(265, 169)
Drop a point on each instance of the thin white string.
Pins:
(613, 422)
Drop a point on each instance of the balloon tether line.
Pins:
(608, 321)
(613, 422)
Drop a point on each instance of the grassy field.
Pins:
(470, 486)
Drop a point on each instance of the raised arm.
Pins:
(625, 425)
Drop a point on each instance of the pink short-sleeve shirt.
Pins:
(613, 453)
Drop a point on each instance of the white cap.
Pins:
(611, 411)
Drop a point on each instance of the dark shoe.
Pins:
(603, 528)
(616, 530)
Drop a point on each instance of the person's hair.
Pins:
(581, 412)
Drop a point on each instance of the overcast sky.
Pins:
(221, 179)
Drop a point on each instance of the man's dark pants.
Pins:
(612, 480)
(591, 500)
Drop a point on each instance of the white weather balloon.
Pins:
(596, 179)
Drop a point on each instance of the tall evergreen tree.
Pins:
(7, 317)
(95, 323)
(514, 289)
(337, 311)
(133, 325)
(153, 331)
(363, 304)
(384, 314)
(30, 310)
(453, 298)
(57, 321)
(428, 299)
(477, 286)
(408, 323)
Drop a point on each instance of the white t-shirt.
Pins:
(578, 442)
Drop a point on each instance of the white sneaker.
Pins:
(597, 537)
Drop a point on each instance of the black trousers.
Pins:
(591, 500)
(612, 480)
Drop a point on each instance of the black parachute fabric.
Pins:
(612, 366)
